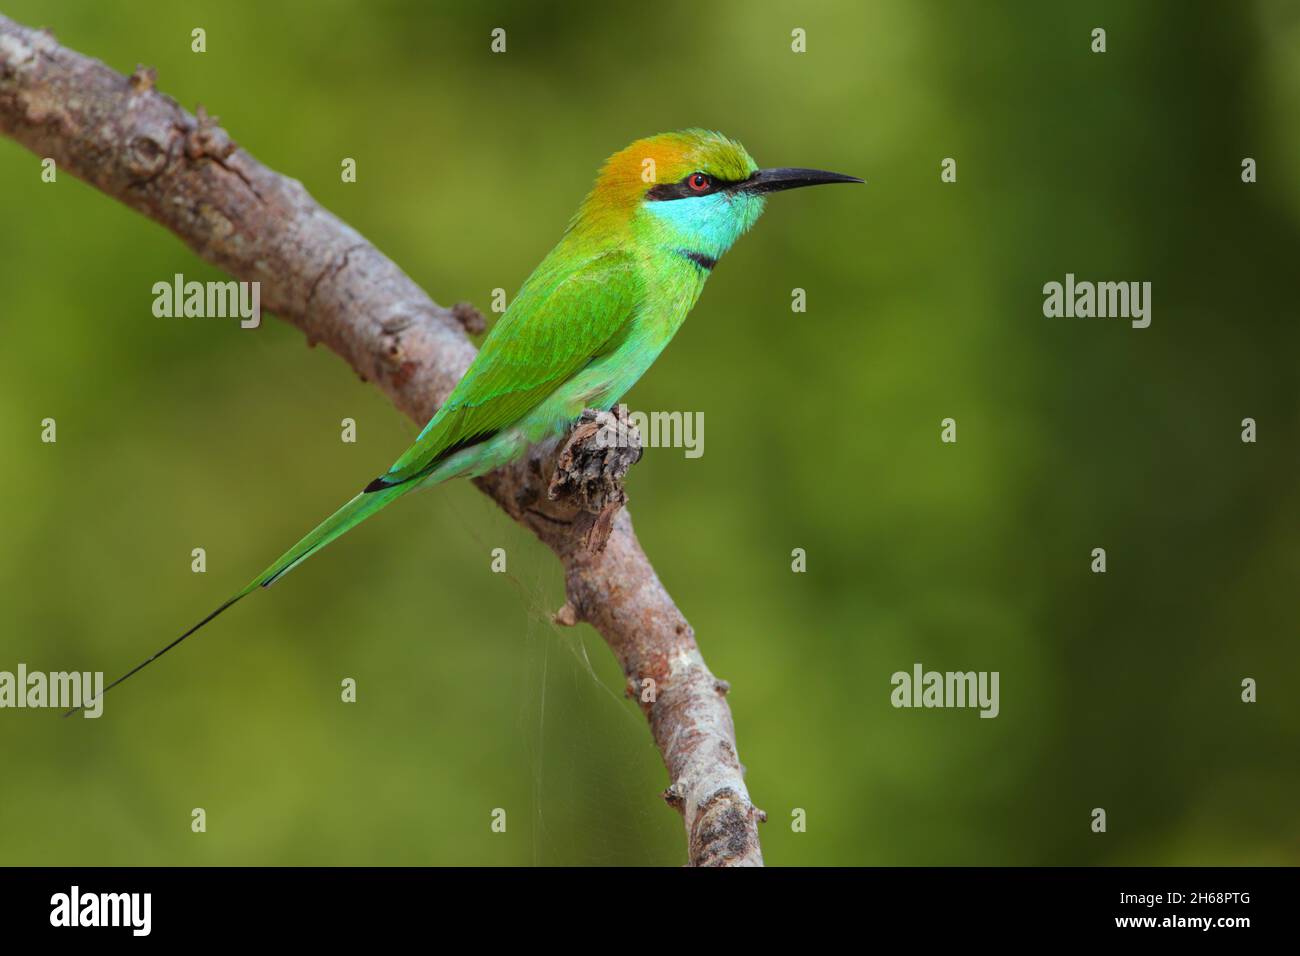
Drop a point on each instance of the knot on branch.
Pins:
(590, 468)
(675, 795)
(206, 138)
(153, 136)
(143, 79)
(146, 157)
(470, 318)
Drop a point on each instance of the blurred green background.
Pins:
(822, 432)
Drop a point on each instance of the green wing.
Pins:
(558, 323)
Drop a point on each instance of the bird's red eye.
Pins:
(699, 182)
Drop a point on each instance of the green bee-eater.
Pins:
(588, 322)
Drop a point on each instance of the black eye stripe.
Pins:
(682, 190)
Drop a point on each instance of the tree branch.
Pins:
(137, 145)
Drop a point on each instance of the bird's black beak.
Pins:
(775, 180)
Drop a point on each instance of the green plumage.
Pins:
(589, 321)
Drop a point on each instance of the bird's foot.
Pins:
(589, 470)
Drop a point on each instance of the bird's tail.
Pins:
(336, 525)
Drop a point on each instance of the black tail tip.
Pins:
(379, 484)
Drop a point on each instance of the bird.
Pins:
(584, 327)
